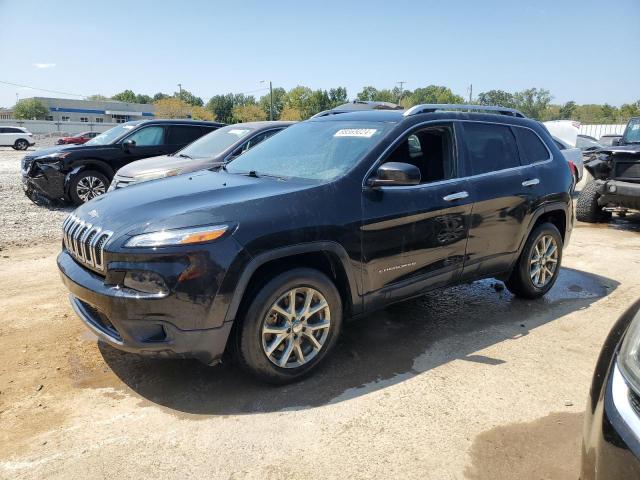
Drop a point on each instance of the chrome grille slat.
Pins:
(85, 241)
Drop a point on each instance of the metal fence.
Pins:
(596, 131)
(46, 127)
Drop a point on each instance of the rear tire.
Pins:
(21, 144)
(539, 263)
(587, 208)
(86, 185)
(275, 341)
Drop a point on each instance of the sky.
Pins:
(582, 50)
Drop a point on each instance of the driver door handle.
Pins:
(455, 196)
(531, 182)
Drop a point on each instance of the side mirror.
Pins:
(128, 144)
(615, 142)
(396, 174)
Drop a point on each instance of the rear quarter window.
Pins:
(533, 149)
(490, 147)
(183, 134)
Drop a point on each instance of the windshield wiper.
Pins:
(184, 155)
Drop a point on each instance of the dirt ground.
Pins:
(466, 382)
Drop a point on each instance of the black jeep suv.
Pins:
(616, 173)
(331, 218)
(82, 172)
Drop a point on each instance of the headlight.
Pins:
(628, 357)
(180, 236)
(143, 177)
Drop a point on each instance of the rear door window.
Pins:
(532, 148)
(183, 134)
(490, 147)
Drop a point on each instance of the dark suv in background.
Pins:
(80, 173)
(332, 218)
(211, 151)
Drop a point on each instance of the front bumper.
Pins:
(618, 193)
(49, 184)
(611, 446)
(127, 320)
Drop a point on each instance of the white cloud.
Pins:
(44, 65)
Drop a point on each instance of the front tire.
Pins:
(587, 208)
(290, 326)
(21, 144)
(539, 263)
(87, 185)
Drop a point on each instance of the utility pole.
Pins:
(270, 100)
(180, 98)
(401, 85)
(471, 93)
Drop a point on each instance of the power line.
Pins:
(42, 89)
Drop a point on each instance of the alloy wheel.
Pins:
(90, 187)
(543, 262)
(296, 327)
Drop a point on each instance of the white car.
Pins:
(565, 134)
(17, 137)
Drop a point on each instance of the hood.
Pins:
(203, 198)
(165, 163)
(621, 150)
(66, 148)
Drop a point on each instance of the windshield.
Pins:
(110, 135)
(632, 132)
(215, 142)
(585, 143)
(312, 150)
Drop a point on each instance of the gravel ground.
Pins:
(462, 383)
(21, 221)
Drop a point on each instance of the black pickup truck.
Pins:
(616, 184)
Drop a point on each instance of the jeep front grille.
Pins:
(85, 242)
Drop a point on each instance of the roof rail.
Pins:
(434, 107)
(325, 113)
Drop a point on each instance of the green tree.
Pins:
(97, 98)
(222, 107)
(432, 94)
(160, 96)
(143, 99)
(279, 95)
(337, 96)
(188, 97)
(629, 110)
(298, 98)
(30, 109)
(126, 96)
(533, 102)
(367, 94)
(497, 97)
(567, 111)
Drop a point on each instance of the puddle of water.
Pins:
(547, 448)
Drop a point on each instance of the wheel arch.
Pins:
(87, 164)
(554, 213)
(328, 257)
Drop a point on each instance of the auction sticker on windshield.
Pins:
(238, 132)
(356, 132)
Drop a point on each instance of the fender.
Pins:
(546, 208)
(311, 247)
